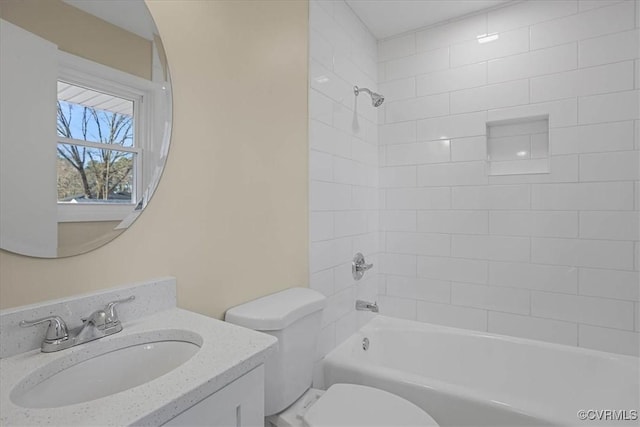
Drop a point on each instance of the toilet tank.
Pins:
(294, 317)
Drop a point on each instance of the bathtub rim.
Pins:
(384, 322)
(383, 373)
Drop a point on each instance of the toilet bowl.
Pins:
(351, 405)
(294, 317)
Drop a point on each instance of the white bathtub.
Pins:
(467, 378)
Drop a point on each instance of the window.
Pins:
(101, 136)
(96, 150)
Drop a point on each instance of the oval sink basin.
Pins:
(102, 375)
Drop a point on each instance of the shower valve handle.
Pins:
(359, 266)
(363, 267)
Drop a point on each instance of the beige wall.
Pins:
(229, 219)
(81, 34)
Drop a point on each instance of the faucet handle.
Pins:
(110, 309)
(359, 266)
(98, 318)
(57, 329)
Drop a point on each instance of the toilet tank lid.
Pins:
(276, 311)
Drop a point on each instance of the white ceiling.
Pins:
(386, 18)
(91, 98)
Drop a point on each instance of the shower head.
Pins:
(376, 98)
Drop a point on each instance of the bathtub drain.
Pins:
(365, 344)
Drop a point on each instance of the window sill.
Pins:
(78, 212)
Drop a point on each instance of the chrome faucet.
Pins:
(99, 324)
(366, 306)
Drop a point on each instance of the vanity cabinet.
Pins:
(238, 404)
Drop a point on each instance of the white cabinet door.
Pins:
(239, 404)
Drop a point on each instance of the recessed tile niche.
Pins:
(518, 146)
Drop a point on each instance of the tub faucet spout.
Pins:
(367, 306)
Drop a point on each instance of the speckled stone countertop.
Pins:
(226, 352)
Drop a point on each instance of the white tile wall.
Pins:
(489, 97)
(509, 43)
(561, 113)
(494, 197)
(402, 308)
(610, 283)
(398, 221)
(588, 310)
(490, 298)
(608, 49)
(555, 256)
(534, 63)
(452, 269)
(448, 174)
(562, 279)
(609, 225)
(608, 107)
(397, 133)
(452, 315)
(533, 327)
(467, 149)
(592, 4)
(452, 79)
(397, 47)
(343, 163)
(416, 153)
(587, 81)
(534, 223)
(452, 126)
(399, 89)
(418, 243)
(605, 137)
(582, 196)
(495, 248)
(527, 13)
(451, 33)
(607, 339)
(417, 64)
(418, 288)
(418, 198)
(587, 24)
(581, 252)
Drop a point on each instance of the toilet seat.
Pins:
(356, 405)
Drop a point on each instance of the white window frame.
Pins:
(82, 72)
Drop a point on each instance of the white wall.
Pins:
(553, 256)
(343, 165)
(28, 196)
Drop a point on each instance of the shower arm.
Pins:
(376, 98)
(357, 90)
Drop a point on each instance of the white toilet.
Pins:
(294, 317)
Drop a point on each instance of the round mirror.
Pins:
(85, 122)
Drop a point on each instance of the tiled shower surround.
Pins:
(343, 165)
(552, 256)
